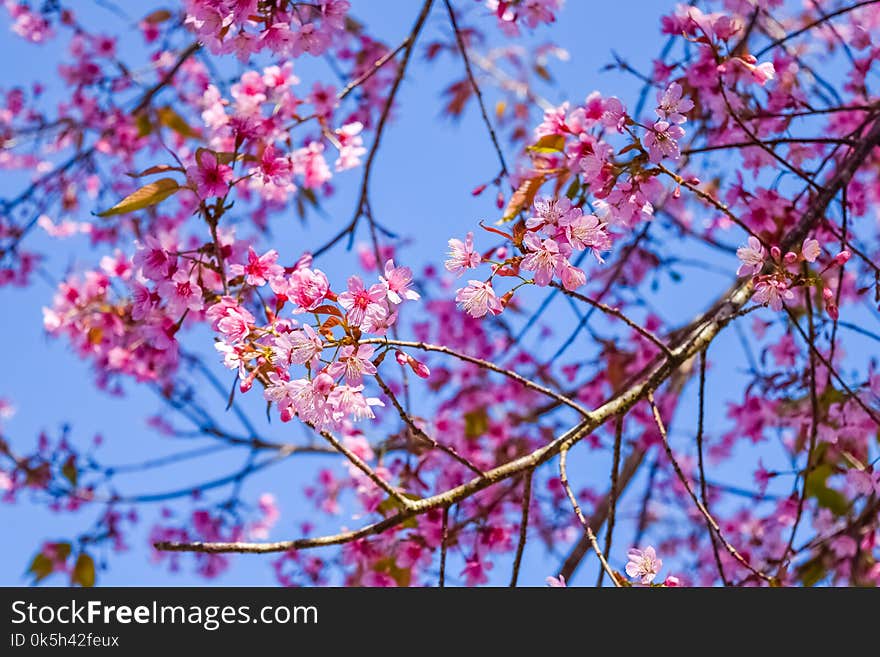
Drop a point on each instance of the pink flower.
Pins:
(210, 177)
(643, 564)
(274, 169)
(478, 298)
(462, 255)
(475, 571)
(811, 250)
(236, 325)
(354, 363)
(763, 73)
(585, 231)
(671, 106)
(153, 257)
(359, 301)
(572, 277)
(661, 141)
(543, 258)
(351, 146)
(308, 288)
(182, 292)
(348, 401)
(300, 347)
(397, 281)
(752, 257)
(556, 582)
(259, 269)
(549, 212)
(865, 482)
(771, 292)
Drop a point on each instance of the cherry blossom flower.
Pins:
(585, 231)
(478, 298)
(397, 281)
(661, 141)
(752, 257)
(182, 292)
(353, 362)
(811, 250)
(259, 270)
(210, 177)
(643, 564)
(772, 292)
(543, 258)
(462, 255)
(556, 582)
(359, 301)
(307, 288)
(300, 346)
(671, 106)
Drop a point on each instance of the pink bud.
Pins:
(842, 258)
(401, 358)
(790, 257)
(827, 293)
(833, 311)
(499, 200)
(478, 190)
(775, 252)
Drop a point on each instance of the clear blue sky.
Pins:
(431, 202)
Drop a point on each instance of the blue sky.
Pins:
(421, 189)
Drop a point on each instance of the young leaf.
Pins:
(84, 571)
(144, 197)
(171, 119)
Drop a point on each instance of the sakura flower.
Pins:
(351, 146)
(354, 363)
(300, 346)
(556, 582)
(643, 564)
(348, 401)
(811, 250)
(865, 482)
(661, 141)
(397, 281)
(236, 325)
(153, 256)
(308, 288)
(543, 258)
(549, 212)
(476, 571)
(358, 300)
(671, 106)
(259, 269)
(572, 277)
(585, 231)
(273, 168)
(462, 255)
(182, 292)
(763, 73)
(772, 292)
(210, 177)
(752, 257)
(478, 298)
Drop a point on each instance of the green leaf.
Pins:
(548, 144)
(812, 572)
(146, 196)
(69, 470)
(827, 498)
(159, 168)
(476, 423)
(84, 571)
(40, 568)
(171, 119)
